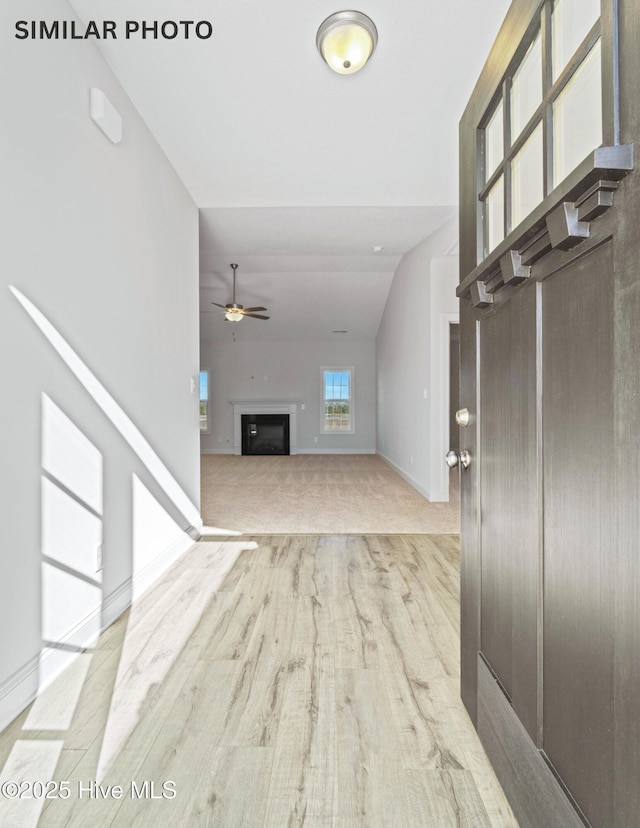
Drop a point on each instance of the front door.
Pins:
(550, 373)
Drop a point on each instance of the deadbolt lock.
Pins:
(463, 417)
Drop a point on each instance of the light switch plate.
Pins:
(105, 115)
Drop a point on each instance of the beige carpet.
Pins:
(320, 494)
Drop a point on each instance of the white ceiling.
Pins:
(298, 171)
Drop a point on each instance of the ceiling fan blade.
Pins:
(253, 310)
(255, 316)
(218, 305)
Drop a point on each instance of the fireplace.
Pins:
(271, 407)
(265, 434)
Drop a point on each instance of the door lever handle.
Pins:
(453, 459)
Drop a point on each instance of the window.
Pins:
(545, 119)
(337, 401)
(494, 140)
(204, 402)
(494, 214)
(527, 177)
(526, 88)
(577, 117)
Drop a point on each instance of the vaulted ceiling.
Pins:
(299, 172)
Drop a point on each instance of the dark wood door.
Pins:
(550, 371)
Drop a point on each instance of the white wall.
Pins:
(244, 370)
(410, 359)
(99, 425)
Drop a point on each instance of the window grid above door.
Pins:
(544, 120)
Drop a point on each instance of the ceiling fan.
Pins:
(235, 312)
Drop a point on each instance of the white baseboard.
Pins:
(406, 476)
(335, 451)
(150, 573)
(26, 683)
(297, 450)
(439, 497)
(18, 691)
(21, 688)
(195, 532)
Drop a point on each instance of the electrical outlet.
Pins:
(99, 557)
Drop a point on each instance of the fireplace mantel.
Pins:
(241, 407)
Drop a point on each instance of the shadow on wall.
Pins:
(71, 541)
(70, 713)
(114, 412)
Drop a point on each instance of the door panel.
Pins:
(508, 486)
(579, 532)
(470, 558)
(550, 370)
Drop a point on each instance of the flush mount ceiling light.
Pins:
(346, 40)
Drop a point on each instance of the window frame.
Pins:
(543, 114)
(352, 420)
(207, 429)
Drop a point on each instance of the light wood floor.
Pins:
(318, 685)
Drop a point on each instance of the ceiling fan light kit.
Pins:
(346, 40)
(233, 312)
(233, 315)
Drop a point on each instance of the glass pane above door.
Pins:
(526, 88)
(494, 141)
(527, 177)
(544, 119)
(571, 21)
(494, 215)
(577, 117)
